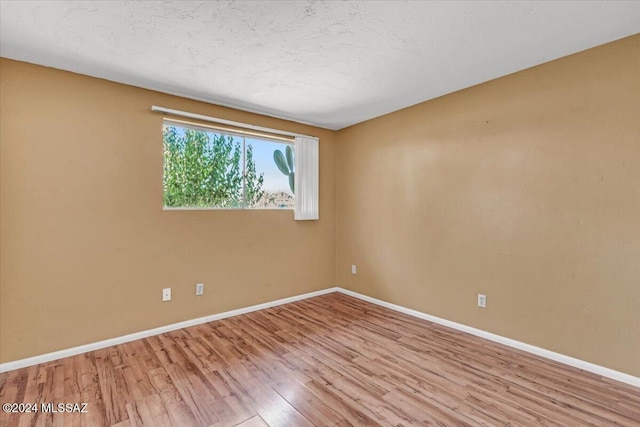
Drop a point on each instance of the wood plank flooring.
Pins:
(332, 360)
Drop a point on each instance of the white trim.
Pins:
(548, 354)
(224, 121)
(567, 360)
(48, 357)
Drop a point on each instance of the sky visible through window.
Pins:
(274, 180)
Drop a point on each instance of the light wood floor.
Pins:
(326, 361)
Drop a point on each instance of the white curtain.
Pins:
(306, 178)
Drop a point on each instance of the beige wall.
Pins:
(526, 188)
(86, 247)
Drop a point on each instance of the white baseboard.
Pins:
(48, 357)
(567, 360)
(548, 354)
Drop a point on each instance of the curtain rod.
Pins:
(225, 122)
(231, 130)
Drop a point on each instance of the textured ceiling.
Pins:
(331, 64)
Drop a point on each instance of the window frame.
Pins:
(226, 132)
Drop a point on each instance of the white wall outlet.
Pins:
(166, 294)
(482, 301)
(354, 270)
(199, 289)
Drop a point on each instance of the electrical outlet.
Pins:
(166, 294)
(482, 301)
(354, 270)
(199, 289)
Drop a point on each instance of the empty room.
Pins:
(319, 213)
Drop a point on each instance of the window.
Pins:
(205, 168)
